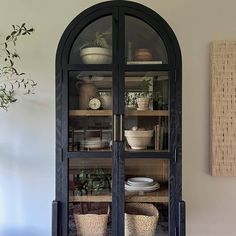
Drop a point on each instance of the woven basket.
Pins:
(91, 224)
(140, 219)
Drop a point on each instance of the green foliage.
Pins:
(10, 78)
(144, 87)
(94, 181)
(100, 39)
(130, 98)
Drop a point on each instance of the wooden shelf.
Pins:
(109, 113)
(90, 112)
(157, 196)
(147, 113)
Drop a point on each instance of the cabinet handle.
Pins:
(114, 128)
(121, 127)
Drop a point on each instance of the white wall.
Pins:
(27, 130)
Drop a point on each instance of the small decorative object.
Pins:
(87, 90)
(139, 139)
(94, 103)
(140, 219)
(106, 99)
(143, 99)
(92, 224)
(98, 49)
(143, 54)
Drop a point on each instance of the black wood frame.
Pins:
(118, 10)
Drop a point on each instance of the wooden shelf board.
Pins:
(157, 196)
(90, 112)
(109, 113)
(147, 113)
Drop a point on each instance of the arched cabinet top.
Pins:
(126, 13)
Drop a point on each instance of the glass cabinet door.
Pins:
(146, 196)
(94, 43)
(146, 111)
(146, 131)
(90, 105)
(143, 44)
(89, 196)
(90, 111)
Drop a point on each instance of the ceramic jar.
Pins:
(106, 99)
(143, 54)
(86, 92)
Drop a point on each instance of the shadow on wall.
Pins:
(11, 231)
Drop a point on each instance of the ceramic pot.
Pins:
(106, 99)
(143, 104)
(96, 55)
(138, 139)
(86, 92)
(143, 54)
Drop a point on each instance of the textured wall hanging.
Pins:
(223, 108)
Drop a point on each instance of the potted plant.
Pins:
(97, 50)
(144, 95)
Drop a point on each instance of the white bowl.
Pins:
(139, 139)
(96, 55)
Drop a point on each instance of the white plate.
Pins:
(140, 181)
(143, 188)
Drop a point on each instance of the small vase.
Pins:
(106, 98)
(143, 104)
(86, 92)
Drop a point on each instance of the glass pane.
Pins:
(94, 43)
(146, 197)
(90, 111)
(90, 196)
(143, 44)
(146, 113)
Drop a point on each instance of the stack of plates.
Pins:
(94, 143)
(143, 184)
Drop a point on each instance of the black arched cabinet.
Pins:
(118, 125)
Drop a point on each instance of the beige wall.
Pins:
(27, 129)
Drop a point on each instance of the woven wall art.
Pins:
(223, 108)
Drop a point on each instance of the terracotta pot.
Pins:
(143, 54)
(86, 92)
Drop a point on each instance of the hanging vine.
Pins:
(11, 79)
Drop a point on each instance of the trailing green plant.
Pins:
(99, 39)
(10, 78)
(94, 181)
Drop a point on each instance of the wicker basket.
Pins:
(140, 219)
(91, 224)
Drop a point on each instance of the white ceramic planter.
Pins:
(96, 55)
(143, 103)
